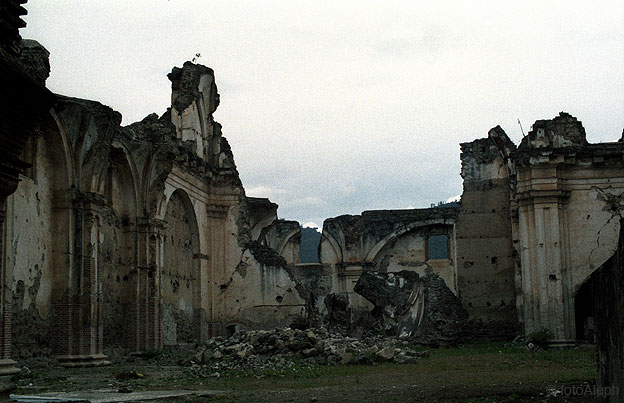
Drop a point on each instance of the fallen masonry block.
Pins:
(422, 309)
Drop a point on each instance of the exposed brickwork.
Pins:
(5, 313)
(5, 331)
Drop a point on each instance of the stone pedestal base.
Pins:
(91, 360)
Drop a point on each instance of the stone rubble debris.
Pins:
(281, 349)
(419, 308)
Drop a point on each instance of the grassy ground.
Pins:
(472, 373)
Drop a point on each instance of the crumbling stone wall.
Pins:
(25, 100)
(262, 292)
(386, 242)
(569, 197)
(411, 252)
(113, 272)
(485, 256)
(315, 278)
(137, 235)
(29, 258)
(407, 305)
(527, 215)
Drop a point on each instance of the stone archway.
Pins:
(118, 251)
(420, 248)
(180, 280)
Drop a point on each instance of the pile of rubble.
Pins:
(281, 348)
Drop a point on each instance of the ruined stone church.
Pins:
(142, 236)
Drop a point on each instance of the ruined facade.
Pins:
(534, 222)
(567, 197)
(137, 236)
(393, 271)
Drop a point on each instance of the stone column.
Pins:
(201, 325)
(145, 323)
(7, 365)
(216, 267)
(79, 313)
(543, 259)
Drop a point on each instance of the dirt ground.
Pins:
(493, 372)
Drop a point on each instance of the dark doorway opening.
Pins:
(583, 311)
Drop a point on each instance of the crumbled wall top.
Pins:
(35, 60)
(286, 226)
(185, 86)
(379, 223)
(563, 139)
(260, 207)
(502, 141)
(481, 150)
(79, 115)
(351, 226)
(562, 131)
(376, 224)
(153, 126)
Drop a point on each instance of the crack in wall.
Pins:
(614, 204)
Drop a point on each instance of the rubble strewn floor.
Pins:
(113, 395)
(478, 372)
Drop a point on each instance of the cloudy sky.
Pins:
(335, 107)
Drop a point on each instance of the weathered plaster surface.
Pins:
(28, 255)
(179, 273)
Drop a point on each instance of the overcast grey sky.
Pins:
(335, 107)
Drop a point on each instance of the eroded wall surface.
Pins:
(29, 256)
(179, 280)
(485, 256)
(570, 197)
(262, 292)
